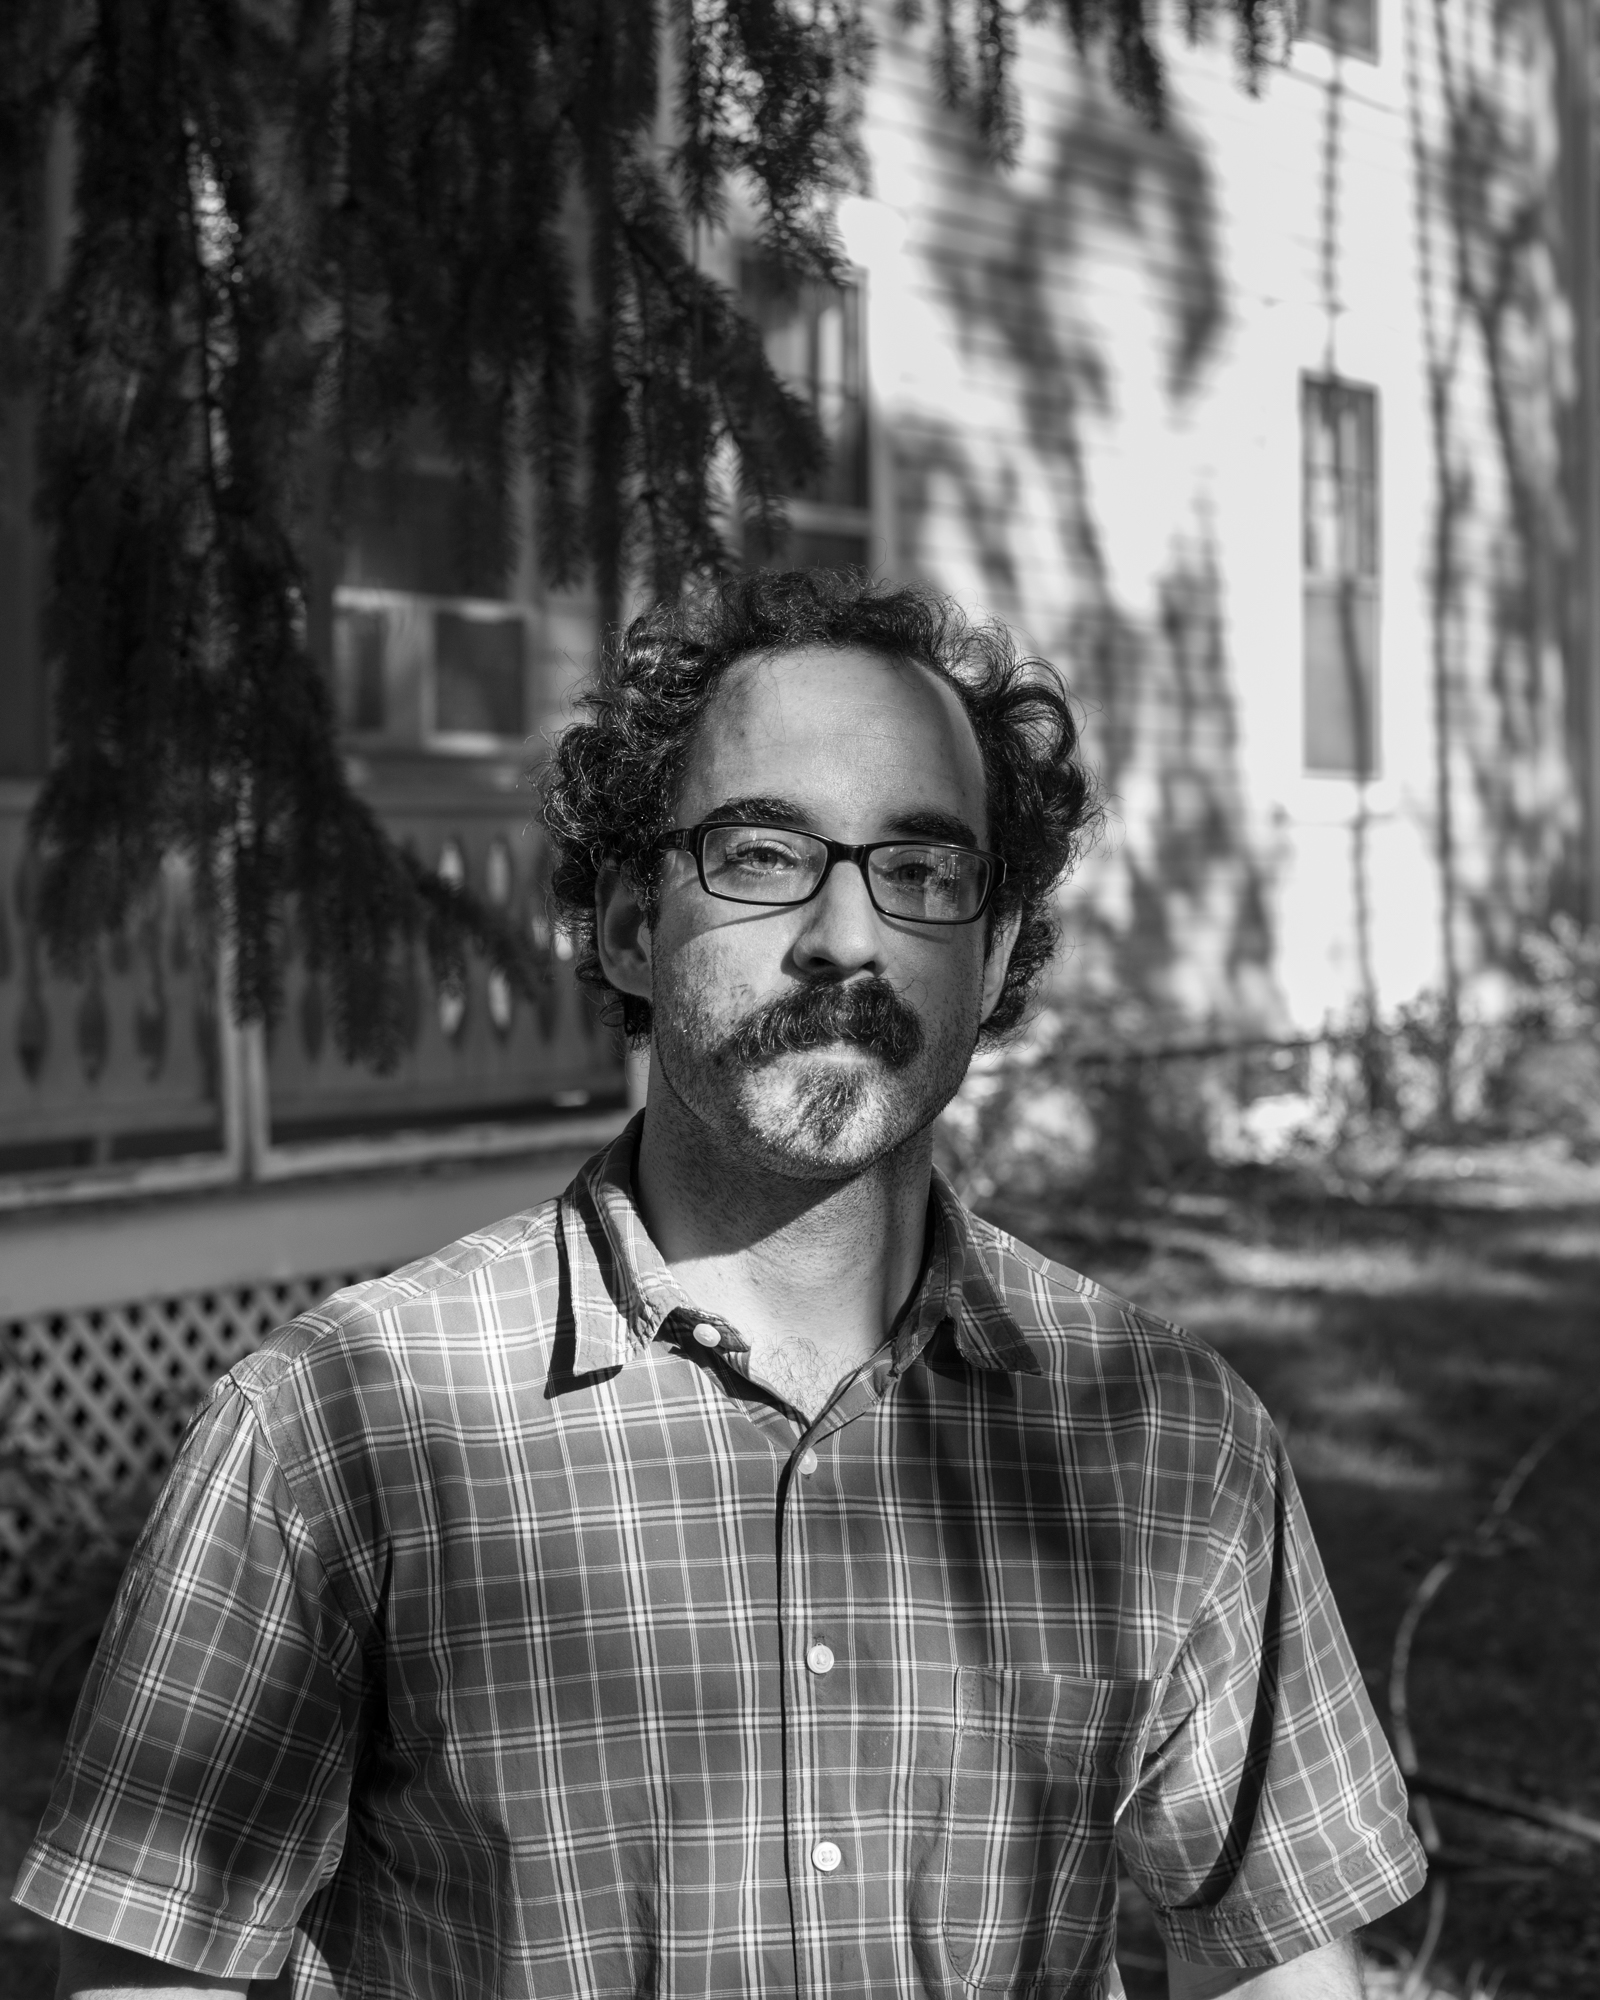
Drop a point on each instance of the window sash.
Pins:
(1340, 722)
(1340, 578)
(1348, 27)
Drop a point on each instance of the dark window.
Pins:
(24, 684)
(360, 669)
(421, 529)
(1339, 528)
(426, 643)
(1349, 27)
(824, 548)
(813, 336)
(24, 691)
(480, 679)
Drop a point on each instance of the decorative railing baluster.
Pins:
(116, 1080)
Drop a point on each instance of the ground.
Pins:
(1412, 1344)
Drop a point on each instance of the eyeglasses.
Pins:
(924, 882)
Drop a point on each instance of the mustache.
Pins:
(867, 1012)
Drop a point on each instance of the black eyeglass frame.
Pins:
(692, 840)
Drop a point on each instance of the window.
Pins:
(1339, 529)
(1348, 27)
(24, 680)
(427, 651)
(813, 337)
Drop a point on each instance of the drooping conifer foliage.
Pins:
(304, 227)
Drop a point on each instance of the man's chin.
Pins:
(829, 1122)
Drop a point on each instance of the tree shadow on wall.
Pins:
(1495, 210)
(1096, 296)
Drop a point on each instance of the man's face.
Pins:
(813, 1039)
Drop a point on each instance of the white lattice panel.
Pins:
(101, 1396)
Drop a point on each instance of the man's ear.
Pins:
(998, 962)
(622, 932)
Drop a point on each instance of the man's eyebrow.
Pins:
(931, 824)
(759, 809)
(919, 823)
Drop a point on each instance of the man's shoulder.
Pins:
(495, 1288)
(1081, 1334)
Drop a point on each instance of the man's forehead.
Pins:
(785, 686)
(844, 735)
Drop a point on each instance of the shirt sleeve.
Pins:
(202, 1797)
(1269, 1816)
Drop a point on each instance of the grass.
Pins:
(1411, 1347)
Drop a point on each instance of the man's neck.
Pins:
(818, 1271)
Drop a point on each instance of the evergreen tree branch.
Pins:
(310, 231)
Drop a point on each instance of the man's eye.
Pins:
(759, 857)
(919, 869)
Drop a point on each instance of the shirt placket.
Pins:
(819, 1721)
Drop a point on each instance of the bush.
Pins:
(1548, 1083)
(57, 1592)
(1088, 1104)
(1101, 1103)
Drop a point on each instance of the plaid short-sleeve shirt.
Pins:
(495, 1635)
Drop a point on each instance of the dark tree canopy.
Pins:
(303, 227)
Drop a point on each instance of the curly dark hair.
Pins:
(607, 796)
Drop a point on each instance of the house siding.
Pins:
(1088, 367)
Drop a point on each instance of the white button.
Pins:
(707, 1336)
(825, 1856)
(819, 1659)
(808, 1462)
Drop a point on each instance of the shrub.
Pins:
(1098, 1101)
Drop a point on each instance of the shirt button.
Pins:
(707, 1336)
(808, 1462)
(825, 1856)
(820, 1659)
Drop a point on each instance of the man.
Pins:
(749, 1575)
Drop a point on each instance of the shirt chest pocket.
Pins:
(1040, 1765)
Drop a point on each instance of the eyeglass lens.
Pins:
(773, 865)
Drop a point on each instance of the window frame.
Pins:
(1350, 587)
(807, 515)
(410, 670)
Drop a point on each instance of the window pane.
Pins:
(1341, 679)
(480, 685)
(1339, 448)
(1339, 441)
(821, 548)
(360, 648)
(408, 529)
(24, 692)
(1349, 26)
(812, 334)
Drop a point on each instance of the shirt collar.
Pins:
(622, 1291)
(958, 1289)
(623, 1294)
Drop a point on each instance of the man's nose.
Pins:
(841, 928)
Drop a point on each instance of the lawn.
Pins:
(1411, 1347)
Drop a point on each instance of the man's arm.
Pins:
(94, 1970)
(1331, 1972)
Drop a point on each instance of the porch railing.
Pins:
(133, 1078)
